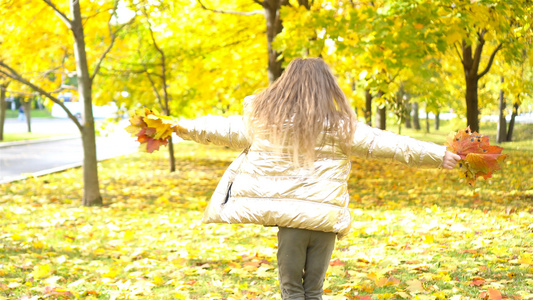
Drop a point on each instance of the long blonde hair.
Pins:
(297, 111)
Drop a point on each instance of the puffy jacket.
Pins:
(263, 187)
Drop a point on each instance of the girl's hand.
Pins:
(178, 129)
(450, 160)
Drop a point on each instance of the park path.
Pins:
(19, 160)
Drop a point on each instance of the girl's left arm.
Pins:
(374, 143)
(217, 130)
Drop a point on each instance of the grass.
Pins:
(23, 136)
(416, 234)
(522, 134)
(35, 113)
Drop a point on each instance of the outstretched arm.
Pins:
(217, 130)
(374, 143)
(450, 160)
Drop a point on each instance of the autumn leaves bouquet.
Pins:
(152, 129)
(478, 157)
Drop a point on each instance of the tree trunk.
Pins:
(471, 60)
(512, 122)
(368, 108)
(166, 110)
(274, 27)
(472, 109)
(3, 107)
(437, 120)
(501, 135)
(408, 108)
(414, 115)
(91, 187)
(27, 113)
(171, 158)
(381, 117)
(427, 121)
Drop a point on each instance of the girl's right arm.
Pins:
(217, 130)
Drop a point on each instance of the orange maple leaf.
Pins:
(478, 281)
(478, 157)
(337, 262)
(491, 294)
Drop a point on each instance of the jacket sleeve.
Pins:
(224, 131)
(374, 143)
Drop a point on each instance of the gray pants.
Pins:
(303, 259)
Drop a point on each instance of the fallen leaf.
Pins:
(56, 291)
(337, 262)
(478, 281)
(415, 286)
(491, 294)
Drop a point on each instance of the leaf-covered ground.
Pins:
(417, 234)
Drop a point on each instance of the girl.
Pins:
(297, 138)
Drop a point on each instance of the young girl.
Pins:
(297, 137)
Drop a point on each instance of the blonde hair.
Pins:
(300, 108)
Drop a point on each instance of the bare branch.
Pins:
(156, 92)
(127, 71)
(233, 12)
(481, 34)
(262, 3)
(60, 14)
(458, 53)
(491, 60)
(15, 76)
(64, 88)
(163, 77)
(478, 51)
(113, 35)
(152, 83)
(103, 9)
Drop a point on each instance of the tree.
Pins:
(272, 11)
(213, 60)
(501, 134)
(4, 84)
(478, 31)
(380, 43)
(17, 13)
(513, 83)
(154, 63)
(3, 105)
(471, 63)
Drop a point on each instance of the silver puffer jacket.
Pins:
(263, 187)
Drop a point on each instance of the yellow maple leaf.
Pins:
(454, 37)
(111, 273)
(162, 125)
(429, 239)
(415, 286)
(526, 259)
(158, 280)
(42, 271)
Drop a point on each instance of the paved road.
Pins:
(42, 125)
(34, 158)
